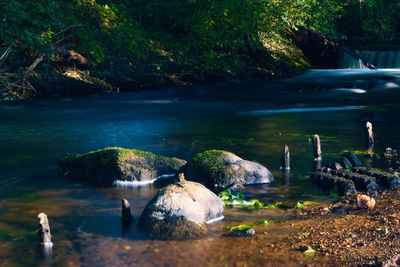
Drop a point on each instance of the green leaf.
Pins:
(240, 227)
(255, 203)
(309, 252)
(228, 195)
(300, 205)
(263, 221)
(271, 206)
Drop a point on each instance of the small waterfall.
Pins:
(349, 59)
(361, 59)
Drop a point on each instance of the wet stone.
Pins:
(330, 182)
(243, 233)
(345, 162)
(353, 159)
(362, 182)
(385, 179)
(337, 166)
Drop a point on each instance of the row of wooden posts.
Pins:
(44, 232)
(285, 160)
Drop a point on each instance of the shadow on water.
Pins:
(254, 120)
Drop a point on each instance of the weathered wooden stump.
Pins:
(181, 177)
(285, 160)
(43, 230)
(316, 147)
(126, 216)
(285, 179)
(317, 165)
(369, 133)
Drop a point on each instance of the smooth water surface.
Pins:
(254, 120)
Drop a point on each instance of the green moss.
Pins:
(210, 164)
(355, 152)
(211, 159)
(240, 227)
(125, 153)
(10, 235)
(109, 155)
(106, 165)
(263, 221)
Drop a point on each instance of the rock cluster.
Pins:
(346, 176)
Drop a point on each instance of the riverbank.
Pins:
(67, 76)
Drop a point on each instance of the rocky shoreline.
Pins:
(345, 232)
(351, 236)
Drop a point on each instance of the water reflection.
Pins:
(86, 221)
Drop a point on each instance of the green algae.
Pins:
(239, 227)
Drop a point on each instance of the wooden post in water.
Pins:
(369, 133)
(316, 147)
(126, 216)
(285, 160)
(181, 177)
(44, 230)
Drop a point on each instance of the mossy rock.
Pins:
(221, 169)
(181, 210)
(107, 165)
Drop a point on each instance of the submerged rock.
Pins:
(344, 162)
(243, 233)
(330, 182)
(362, 182)
(385, 179)
(221, 169)
(353, 159)
(107, 165)
(181, 210)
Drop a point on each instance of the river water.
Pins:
(252, 119)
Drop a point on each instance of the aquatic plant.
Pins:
(263, 221)
(300, 205)
(228, 195)
(355, 152)
(239, 227)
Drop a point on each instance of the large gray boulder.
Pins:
(220, 169)
(181, 210)
(105, 166)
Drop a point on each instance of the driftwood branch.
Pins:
(5, 55)
(34, 64)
